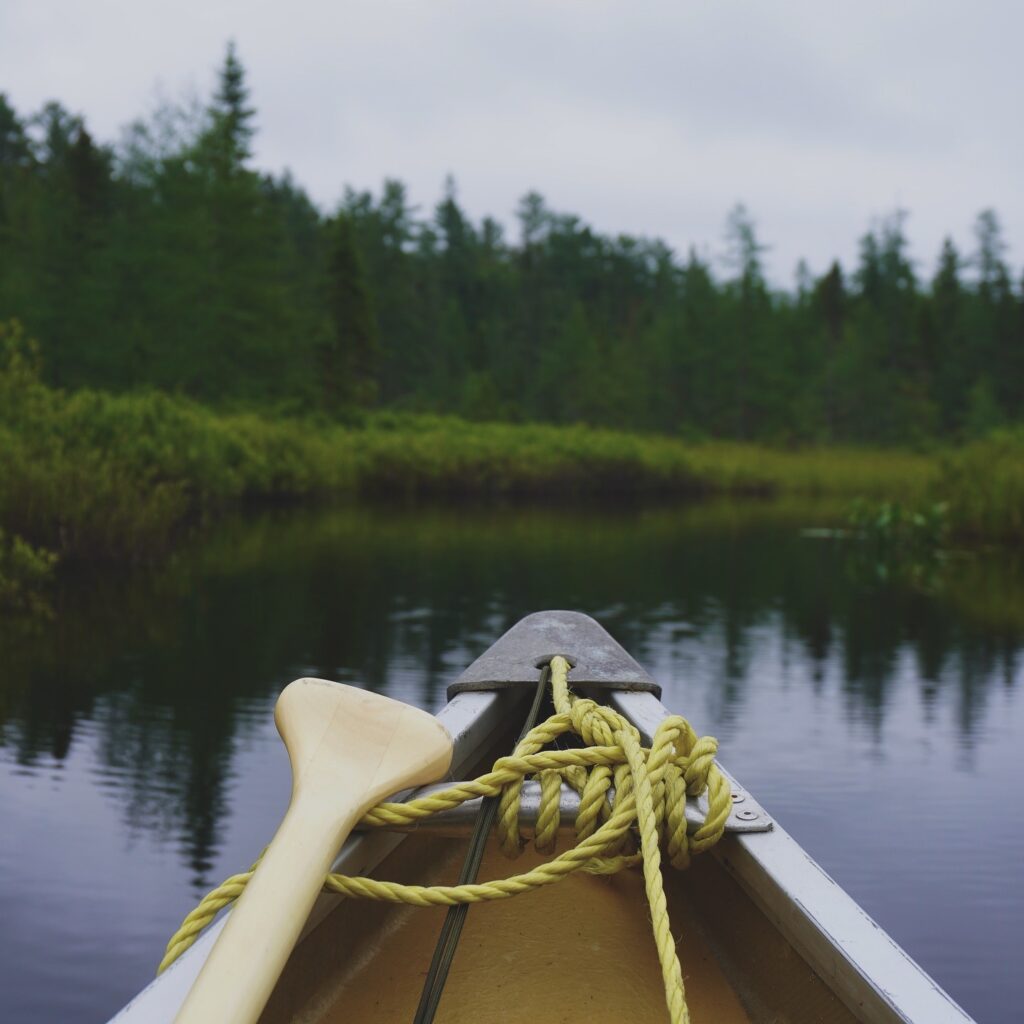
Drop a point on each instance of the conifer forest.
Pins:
(164, 261)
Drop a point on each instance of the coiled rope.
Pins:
(649, 803)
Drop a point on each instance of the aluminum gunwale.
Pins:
(876, 979)
(459, 821)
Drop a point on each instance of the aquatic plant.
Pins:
(899, 541)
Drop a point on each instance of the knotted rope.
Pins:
(648, 804)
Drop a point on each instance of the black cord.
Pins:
(451, 930)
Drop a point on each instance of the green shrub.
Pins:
(983, 483)
(25, 575)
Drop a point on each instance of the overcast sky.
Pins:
(643, 117)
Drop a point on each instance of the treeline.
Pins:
(166, 261)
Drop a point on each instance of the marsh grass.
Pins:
(93, 475)
(816, 471)
(429, 453)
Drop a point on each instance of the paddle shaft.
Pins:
(264, 926)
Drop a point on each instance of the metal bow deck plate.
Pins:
(598, 661)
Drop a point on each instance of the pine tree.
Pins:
(992, 274)
(887, 387)
(459, 349)
(829, 310)
(994, 315)
(231, 118)
(17, 189)
(15, 147)
(746, 341)
(701, 373)
(350, 361)
(385, 232)
(245, 341)
(830, 300)
(947, 341)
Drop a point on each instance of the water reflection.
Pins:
(167, 679)
(402, 601)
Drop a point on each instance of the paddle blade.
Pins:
(359, 741)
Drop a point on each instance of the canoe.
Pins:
(763, 934)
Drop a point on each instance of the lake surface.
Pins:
(877, 716)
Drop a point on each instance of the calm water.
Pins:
(880, 724)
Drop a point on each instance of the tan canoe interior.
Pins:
(578, 951)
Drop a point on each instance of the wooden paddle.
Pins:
(349, 749)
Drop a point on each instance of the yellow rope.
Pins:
(651, 786)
